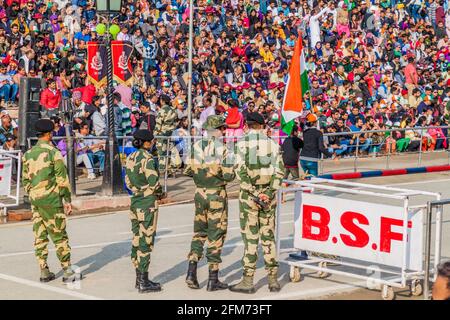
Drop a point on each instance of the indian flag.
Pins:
(296, 87)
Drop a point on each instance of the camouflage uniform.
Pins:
(44, 179)
(259, 167)
(143, 180)
(211, 169)
(166, 122)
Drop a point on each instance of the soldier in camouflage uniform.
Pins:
(259, 168)
(44, 178)
(143, 180)
(211, 168)
(166, 122)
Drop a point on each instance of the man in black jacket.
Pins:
(313, 146)
(291, 151)
(147, 120)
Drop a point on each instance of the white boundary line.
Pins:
(48, 287)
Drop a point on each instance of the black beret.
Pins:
(165, 98)
(146, 104)
(255, 117)
(143, 135)
(44, 125)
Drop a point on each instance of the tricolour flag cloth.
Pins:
(296, 87)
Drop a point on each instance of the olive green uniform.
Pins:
(166, 122)
(143, 180)
(211, 168)
(44, 179)
(259, 168)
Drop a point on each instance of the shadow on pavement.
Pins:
(107, 255)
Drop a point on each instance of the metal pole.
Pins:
(71, 161)
(388, 147)
(426, 284)
(277, 223)
(419, 161)
(321, 164)
(191, 44)
(112, 174)
(166, 164)
(356, 154)
(438, 233)
(448, 148)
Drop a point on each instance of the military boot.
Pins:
(145, 285)
(274, 285)
(245, 286)
(213, 282)
(191, 278)
(46, 275)
(137, 279)
(71, 276)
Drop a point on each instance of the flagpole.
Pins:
(112, 173)
(191, 36)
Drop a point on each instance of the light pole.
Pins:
(191, 36)
(112, 173)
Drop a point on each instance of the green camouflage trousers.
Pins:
(210, 223)
(257, 224)
(143, 225)
(163, 155)
(50, 222)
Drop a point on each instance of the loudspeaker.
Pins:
(29, 109)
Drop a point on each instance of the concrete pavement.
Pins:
(101, 246)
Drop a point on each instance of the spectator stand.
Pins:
(364, 227)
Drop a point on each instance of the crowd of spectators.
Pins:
(372, 64)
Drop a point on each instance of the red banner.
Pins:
(121, 56)
(97, 64)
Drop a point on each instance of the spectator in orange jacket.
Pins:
(50, 99)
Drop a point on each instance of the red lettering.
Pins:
(386, 234)
(361, 238)
(321, 224)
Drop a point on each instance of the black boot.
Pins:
(145, 285)
(213, 283)
(191, 278)
(138, 273)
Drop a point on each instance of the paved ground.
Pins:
(101, 245)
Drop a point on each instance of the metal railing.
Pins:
(422, 133)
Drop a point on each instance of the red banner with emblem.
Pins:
(97, 64)
(121, 56)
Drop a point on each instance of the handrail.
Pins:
(273, 137)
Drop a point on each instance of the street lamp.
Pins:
(108, 6)
(112, 173)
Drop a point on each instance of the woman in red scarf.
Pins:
(234, 121)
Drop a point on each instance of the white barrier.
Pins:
(10, 166)
(379, 240)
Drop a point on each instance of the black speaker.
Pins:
(29, 109)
